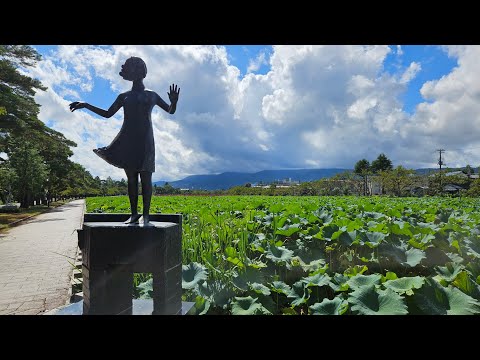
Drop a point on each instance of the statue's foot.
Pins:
(133, 219)
(146, 220)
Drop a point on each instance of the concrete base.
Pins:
(140, 307)
(113, 251)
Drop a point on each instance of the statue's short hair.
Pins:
(139, 67)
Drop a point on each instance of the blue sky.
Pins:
(255, 107)
(436, 63)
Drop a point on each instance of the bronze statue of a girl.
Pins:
(133, 149)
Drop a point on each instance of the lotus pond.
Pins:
(323, 255)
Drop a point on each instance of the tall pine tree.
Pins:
(21, 128)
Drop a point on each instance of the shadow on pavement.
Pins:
(35, 220)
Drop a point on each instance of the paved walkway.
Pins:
(35, 261)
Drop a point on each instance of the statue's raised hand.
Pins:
(77, 105)
(174, 93)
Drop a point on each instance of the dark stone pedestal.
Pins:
(113, 251)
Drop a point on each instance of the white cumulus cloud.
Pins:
(317, 106)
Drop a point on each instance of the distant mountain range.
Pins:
(227, 180)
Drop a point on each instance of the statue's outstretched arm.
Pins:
(118, 103)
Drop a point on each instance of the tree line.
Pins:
(37, 166)
(380, 173)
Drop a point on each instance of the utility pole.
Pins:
(440, 163)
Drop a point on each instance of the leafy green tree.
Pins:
(7, 178)
(30, 173)
(381, 163)
(474, 189)
(362, 168)
(468, 170)
(18, 115)
(399, 180)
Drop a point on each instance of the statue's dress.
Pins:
(133, 149)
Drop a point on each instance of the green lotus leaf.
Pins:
(400, 228)
(368, 301)
(299, 293)
(316, 280)
(280, 287)
(425, 239)
(389, 276)
(398, 254)
(192, 274)
(289, 311)
(474, 268)
(472, 246)
(267, 302)
(248, 276)
(426, 228)
(393, 252)
(336, 306)
(288, 230)
(373, 215)
(146, 289)
(405, 284)
(435, 257)
(464, 282)
(313, 265)
(339, 282)
(260, 289)
(279, 254)
(327, 232)
(255, 264)
(323, 215)
(360, 281)
(394, 213)
(347, 238)
(373, 226)
(201, 305)
(355, 270)
(413, 257)
(434, 299)
(247, 306)
(450, 271)
(455, 258)
(276, 208)
(216, 291)
(260, 236)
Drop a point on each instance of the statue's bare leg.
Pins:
(132, 177)
(146, 178)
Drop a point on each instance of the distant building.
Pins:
(459, 173)
(374, 185)
(453, 188)
(419, 190)
(285, 183)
